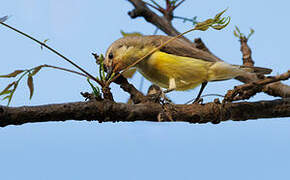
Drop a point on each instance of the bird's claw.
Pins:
(160, 98)
(198, 101)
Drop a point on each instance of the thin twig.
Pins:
(157, 8)
(186, 19)
(178, 4)
(156, 4)
(246, 91)
(64, 69)
(54, 51)
(206, 95)
(151, 6)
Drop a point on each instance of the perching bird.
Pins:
(176, 66)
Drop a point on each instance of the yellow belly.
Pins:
(187, 72)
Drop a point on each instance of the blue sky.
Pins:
(142, 150)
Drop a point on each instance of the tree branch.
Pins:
(108, 111)
(246, 91)
(273, 89)
(136, 95)
(247, 52)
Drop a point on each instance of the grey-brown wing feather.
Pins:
(180, 48)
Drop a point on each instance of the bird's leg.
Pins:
(172, 86)
(200, 91)
(161, 94)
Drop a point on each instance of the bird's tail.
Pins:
(253, 69)
(223, 71)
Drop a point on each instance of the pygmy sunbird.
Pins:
(176, 66)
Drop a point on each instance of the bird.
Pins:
(175, 66)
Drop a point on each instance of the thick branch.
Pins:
(246, 91)
(273, 89)
(108, 111)
(277, 89)
(136, 95)
(247, 52)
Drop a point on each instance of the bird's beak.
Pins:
(109, 72)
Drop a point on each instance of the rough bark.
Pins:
(108, 111)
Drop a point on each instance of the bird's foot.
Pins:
(160, 97)
(198, 101)
(155, 94)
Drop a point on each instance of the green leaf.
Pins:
(12, 93)
(217, 17)
(13, 74)
(102, 68)
(203, 26)
(217, 22)
(5, 92)
(45, 41)
(96, 91)
(30, 85)
(251, 33)
(6, 97)
(113, 74)
(36, 70)
(9, 99)
(219, 27)
(238, 30)
(6, 89)
(236, 34)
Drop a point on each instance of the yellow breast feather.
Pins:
(187, 72)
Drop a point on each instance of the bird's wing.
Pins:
(180, 48)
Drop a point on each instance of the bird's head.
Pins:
(124, 52)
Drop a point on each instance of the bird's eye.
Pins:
(111, 56)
